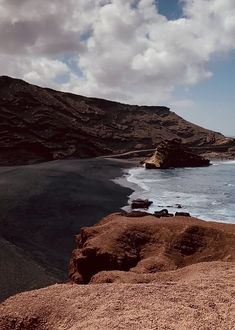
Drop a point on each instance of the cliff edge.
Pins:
(135, 249)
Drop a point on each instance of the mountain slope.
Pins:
(40, 124)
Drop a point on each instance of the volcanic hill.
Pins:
(40, 124)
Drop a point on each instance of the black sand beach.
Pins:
(42, 207)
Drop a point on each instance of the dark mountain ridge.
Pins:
(41, 124)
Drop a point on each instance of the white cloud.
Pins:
(125, 50)
(42, 70)
(182, 105)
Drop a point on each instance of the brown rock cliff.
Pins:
(41, 124)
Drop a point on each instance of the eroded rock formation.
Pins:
(143, 246)
(184, 268)
(173, 153)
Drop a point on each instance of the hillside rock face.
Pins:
(40, 124)
(173, 154)
(136, 249)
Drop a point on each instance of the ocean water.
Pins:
(207, 192)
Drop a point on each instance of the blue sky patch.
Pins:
(172, 9)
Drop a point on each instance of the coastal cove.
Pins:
(43, 206)
(205, 192)
(117, 165)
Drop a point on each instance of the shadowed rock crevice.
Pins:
(191, 241)
(91, 260)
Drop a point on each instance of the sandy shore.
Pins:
(42, 208)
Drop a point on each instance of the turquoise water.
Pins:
(206, 192)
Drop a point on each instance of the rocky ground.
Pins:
(134, 249)
(39, 124)
(144, 273)
(198, 297)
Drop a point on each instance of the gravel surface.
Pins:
(197, 297)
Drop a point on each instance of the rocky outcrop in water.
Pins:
(40, 124)
(171, 154)
(141, 203)
(163, 213)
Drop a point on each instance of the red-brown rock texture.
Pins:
(40, 124)
(198, 297)
(145, 273)
(121, 247)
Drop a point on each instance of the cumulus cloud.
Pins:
(123, 50)
(39, 70)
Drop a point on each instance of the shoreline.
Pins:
(146, 190)
(195, 257)
(42, 209)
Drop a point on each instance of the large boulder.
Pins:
(171, 154)
(140, 203)
(163, 213)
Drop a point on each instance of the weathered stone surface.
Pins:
(141, 203)
(169, 273)
(171, 154)
(163, 213)
(147, 245)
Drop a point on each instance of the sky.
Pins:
(166, 52)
